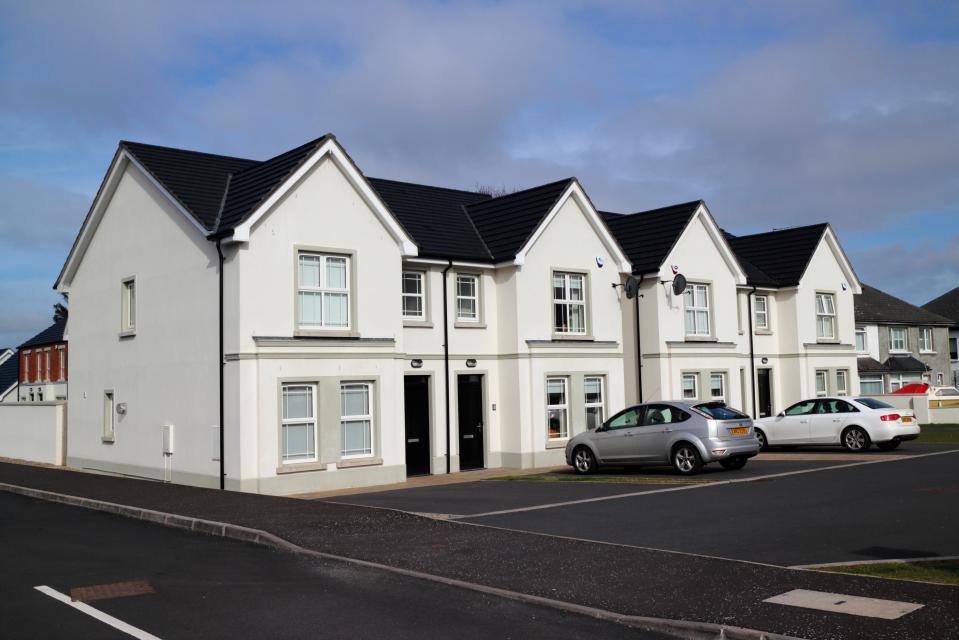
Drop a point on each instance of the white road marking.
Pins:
(119, 625)
(840, 603)
(692, 487)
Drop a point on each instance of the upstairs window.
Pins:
(569, 303)
(128, 305)
(414, 297)
(825, 316)
(862, 346)
(323, 291)
(467, 297)
(696, 300)
(897, 339)
(925, 340)
(762, 312)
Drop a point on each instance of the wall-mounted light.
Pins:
(471, 363)
(765, 360)
(416, 363)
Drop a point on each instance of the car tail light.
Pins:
(890, 417)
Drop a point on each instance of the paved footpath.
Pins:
(614, 578)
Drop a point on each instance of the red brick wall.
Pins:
(37, 369)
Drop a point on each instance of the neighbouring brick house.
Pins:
(43, 365)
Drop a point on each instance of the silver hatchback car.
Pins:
(687, 436)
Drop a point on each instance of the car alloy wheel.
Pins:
(763, 445)
(855, 439)
(583, 460)
(686, 459)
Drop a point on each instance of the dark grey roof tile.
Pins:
(875, 306)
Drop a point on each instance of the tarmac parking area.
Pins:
(790, 508)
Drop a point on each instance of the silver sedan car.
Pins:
(687, 436)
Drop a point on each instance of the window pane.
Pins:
(309, 275)
(688, 296)
(335, 309)
(310, 308)
(555, 391)
(594, 390)
(716, 385)
(466, 308)
(298, 441)
(412, 282)
(297, 403)
(701, 297)
(820, 382)
(412, 306)
(336, 273)
(465, 286)
(355, 399)
(594, 417)
(828, 303)
(557, 423)
(559, 287)
(357, 438)
(871, 386)
(689, 386)
(577, 318)
(690, 322)
(575, 287)
(629, 418)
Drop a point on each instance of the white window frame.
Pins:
(63, 362)
(46, 364)
(763, 313)
(420, 278)
(568, 302)
(38, 370)
(721, 375)
(359, 417)
(465, 277)
(601, 405)
(926, 332)
(821, 374)
(893, 348)
(563, 407)
(865, 341)
(26, 366)
(825, 313)
(128, 306)
(842, 382)
(682, 385)
(324, 290)
(109, 416)
(696, 311)
(285, 457)
(872, 379)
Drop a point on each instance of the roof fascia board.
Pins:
(121, 161)
(712, 230)
(456, 263)
(242, 231)
(5, 392)
(5, 355)
(829, 236)
(575, 191)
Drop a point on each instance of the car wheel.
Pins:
(855, 439)
(734, 463)
(889, 446)
(686, 459)
(763, 443)
(584, 462)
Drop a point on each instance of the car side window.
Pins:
(662, 414)
(626, 419)
(827, 406)
(845, 407)
(801, 408)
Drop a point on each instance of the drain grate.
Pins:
(112, 590)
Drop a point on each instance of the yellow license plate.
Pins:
(739, 431)
(906, 419)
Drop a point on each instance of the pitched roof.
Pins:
(53, 333)
(647, 237)
(893, 364)
(777, 258)
(873, 305)
(9, 372)
(197, 180)
(436, 218)
(946, 305)
(506, 223)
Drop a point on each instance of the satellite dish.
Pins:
(679, 284)
(631, 287)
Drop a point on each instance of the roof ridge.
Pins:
(477, 231)
(522, 191)
(783, 230)
(431, 186)
(199, 153)
(314, 143)
(658, 209)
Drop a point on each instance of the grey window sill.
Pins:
(326, 333)
(294, 467)
(469, 325)
(559, 443)
(701, 339)
(763, 332)
(574, 337)
(106, 440)
(350, 463)
(417, 324)
(127, 334)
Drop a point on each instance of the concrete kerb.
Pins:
(677, 628)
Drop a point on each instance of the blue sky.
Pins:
(776, 113)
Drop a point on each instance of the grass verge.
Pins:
(938, 434)
(935, 571)
(602, 479)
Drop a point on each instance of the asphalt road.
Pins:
(215, 588)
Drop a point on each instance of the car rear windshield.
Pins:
(720, 411)
(872, 403)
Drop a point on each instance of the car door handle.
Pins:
(804, 422)
(627, 435)
(837, 420)
(667, 430)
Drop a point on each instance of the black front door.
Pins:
(469, 401)
(416, 393)
(763, 394)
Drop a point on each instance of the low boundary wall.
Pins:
(36, 431)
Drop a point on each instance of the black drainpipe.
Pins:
(752, 356)
(446, 362)
(639, 348)
(219, 250)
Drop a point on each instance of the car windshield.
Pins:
(720, 411)
(872, 403)
(948, 391)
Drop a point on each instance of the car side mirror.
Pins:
(781, 414)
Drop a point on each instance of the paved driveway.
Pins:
(834, 510)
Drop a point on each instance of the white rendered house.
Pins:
(343, 330)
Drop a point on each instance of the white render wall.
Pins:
(35, 432)
(166, 373)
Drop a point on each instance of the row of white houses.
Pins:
(350, 331)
